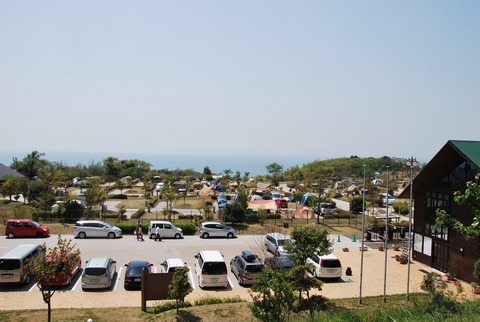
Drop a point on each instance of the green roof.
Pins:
(470, 149)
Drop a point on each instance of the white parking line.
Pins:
(230, 282)
(78, 281)
(155, 269)
(34, 286)
(118, 278)
(191, 277)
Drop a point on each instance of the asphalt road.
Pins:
(127, 248)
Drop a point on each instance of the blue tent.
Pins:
(305, 198)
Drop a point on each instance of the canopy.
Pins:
(206, 191)
(304, 213)
(262, 186)
(352, 187)
(259, 204)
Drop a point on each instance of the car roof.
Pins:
(212, 255)
(138, 263)
(211, 222)
(90, 221)
(97, 261)
(279, 236)
(174, 262)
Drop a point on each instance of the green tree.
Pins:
(180, 286)
(170, 196)
(470, 198)
(9, 187)
(246, 176)
(44, 267)
(306, 241)
(94, 196)
(234, 213)
(272, 297)
(29, 164)
(120, 185)
(303, 283)
(242, 194)
(356, 205)
(274, 169)
(227, 173)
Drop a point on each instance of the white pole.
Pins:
(363, 236)
(385, 236)
(411, 162)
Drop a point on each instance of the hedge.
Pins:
(120, 196)
(188, 229)
(139, 213)
(181, 216)
(129, 229)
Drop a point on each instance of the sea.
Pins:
(255, 164)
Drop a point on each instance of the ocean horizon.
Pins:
(255, 164)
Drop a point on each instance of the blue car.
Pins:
(222, 200)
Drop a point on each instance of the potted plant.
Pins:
(396, 247)
(345, 249)
(397, 257)
(403, 260)
(475, 288)
(381, 248)
(457, 283)
(450, 276)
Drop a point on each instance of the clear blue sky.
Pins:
(319, 78)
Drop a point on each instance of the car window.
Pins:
(95, 271)
(331, 263)
(167, 226)
(316, 259)
(254, 268)
(215, 268)
(18, 224)
(210, 226)
(9, 264)
(218, 226)
(27, 225)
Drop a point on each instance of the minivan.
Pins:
(326, 266)
(25, 228)
(167, 230)
(246, 266)
(275, 242)
(211, 269)
(99, 272)
(95, 228)
(12, 263)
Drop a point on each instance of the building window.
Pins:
(436, 200)
(458, 177)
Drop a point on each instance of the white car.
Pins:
(388, 199)
(169, 265)
(326, 266)
(275, 242)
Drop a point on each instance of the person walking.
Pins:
(139, 234)
(157, 234)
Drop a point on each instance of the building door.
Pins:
(440, 257)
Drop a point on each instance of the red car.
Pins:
(25, 228)
(281, 203)
(59, 279)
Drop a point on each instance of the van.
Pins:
(12, 263)
(211, 269)
(167, 230)
(99, 272)
(25, 228)
(326, 266)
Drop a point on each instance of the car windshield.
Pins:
(137, 270)
(9, 264)
(95, 271)
(36, 224)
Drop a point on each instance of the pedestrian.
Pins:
(157, 234)
(136, 228)
(139, 233)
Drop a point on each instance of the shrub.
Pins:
(356, 205)
(217, 300)
(169, 305)
(401, 208)
(274, 216)
(119, 196)
(129, 228)
(251, 218)
(190, 217)
(188, 228)
(139, 213)
(113, 215)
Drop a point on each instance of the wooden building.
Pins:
(444, 249)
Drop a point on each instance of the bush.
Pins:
(356, 205)
(188, 228)
(274, 216)
(139, 213)
(129, 229)
(113, 215)
(120, 196)
(401, 208)
(190, 217)
(217, 300)
(251, 218)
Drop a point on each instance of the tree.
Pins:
(242, 194)
(180, 286)
(94, 196)
(169, 195)
(52, 260)
(227, 173)
(245, 176)
(30, 164)
(120, 185)
(234, 213)
(302, 282)
(274, 169)
(306, 241)
(9, 187)
(469, 198)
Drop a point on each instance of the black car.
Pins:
(133, 273)
(245, 266)
(279, 262)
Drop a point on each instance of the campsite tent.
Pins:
(305, 198)
(206, 191)
(265, 204)
(304, 212)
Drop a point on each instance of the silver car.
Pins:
(216, 229)
(95, 228)
(99, 272)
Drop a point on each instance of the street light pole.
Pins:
(385, 236)
(363, 235)
(412, 162)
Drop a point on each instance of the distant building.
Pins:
(6, 171)
(449, 170)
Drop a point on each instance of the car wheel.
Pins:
(205, 235)
(111, 235)
(229, 235)
(152, 236)
(39, 235)
(69, 280)
(314, 273)
(11, 235)
(178, 236)
(27, 279)
(240, 281)
(82, 235)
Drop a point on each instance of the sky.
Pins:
(324, 79)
